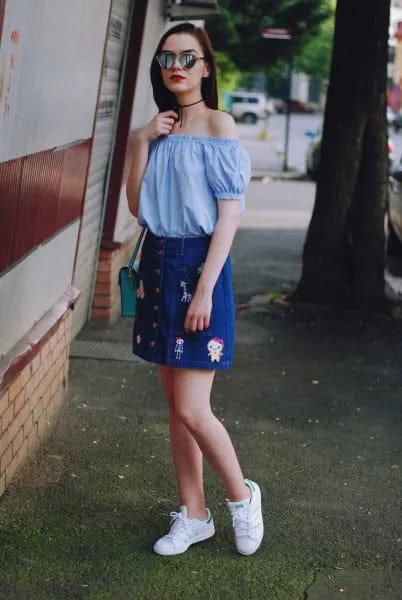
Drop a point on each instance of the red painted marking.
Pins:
(15, 36)
(12, 60)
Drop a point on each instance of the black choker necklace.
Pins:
(185, 106)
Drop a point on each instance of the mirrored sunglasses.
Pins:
(186, 60)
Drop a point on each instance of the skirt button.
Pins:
(156, 307)
(154, 325)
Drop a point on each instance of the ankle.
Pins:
(197, 513)
(240, 495)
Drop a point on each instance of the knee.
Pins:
(194, 420)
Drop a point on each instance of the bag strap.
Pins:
(136, 248)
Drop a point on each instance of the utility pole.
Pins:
(287, 123)
(283, 34)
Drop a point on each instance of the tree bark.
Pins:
(343, 256)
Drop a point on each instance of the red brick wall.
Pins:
(29, 406)
(106, 304)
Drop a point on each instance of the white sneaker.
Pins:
(184, 532)
(247, 521)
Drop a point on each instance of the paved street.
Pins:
(313, 400)
(298, 141)
(313, 406)
(271, 237)
(268, 154)
(267, 165)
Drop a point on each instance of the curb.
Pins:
(292, 175)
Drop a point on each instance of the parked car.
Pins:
(271, 106)
(279, 104)
(397, 122)
(303, 107)
(314, 149)
(313, 152)
(390, 116)
(394, 119)
(297, 106)
(394, 211)
(394, 207)
(248, 107)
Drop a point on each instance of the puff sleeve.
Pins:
(228, 170)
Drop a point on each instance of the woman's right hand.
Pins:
(161, 124)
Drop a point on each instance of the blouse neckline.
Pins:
(202, 138)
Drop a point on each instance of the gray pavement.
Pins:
(264, 151)
(313, 405)
(265, 141)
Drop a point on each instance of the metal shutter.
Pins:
(103, 142)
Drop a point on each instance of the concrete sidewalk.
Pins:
(265, 148)
(266, 160)
(313, 405)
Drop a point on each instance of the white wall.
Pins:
(51, 65)
(33, 285)
(51, 59)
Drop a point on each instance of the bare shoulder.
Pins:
(221, 124)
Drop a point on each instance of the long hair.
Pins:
(166, 100)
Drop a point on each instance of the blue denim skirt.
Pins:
(168, 273)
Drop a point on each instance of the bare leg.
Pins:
(187, 456)
(191, 392)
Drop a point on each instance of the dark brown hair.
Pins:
(165, 99)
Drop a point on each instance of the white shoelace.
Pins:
(181, 527)
(244, 522)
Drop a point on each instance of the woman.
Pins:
(186, 185)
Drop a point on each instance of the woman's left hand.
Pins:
(199, 312)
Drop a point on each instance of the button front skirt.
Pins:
(166, 281)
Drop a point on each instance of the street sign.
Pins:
(179, 10)
(275, 34)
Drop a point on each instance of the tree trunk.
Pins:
(343, 257)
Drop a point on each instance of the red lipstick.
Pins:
(177, 77)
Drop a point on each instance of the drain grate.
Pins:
(103, 351)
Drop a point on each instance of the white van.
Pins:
(248, 107)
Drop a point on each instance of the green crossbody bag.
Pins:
(128, 283)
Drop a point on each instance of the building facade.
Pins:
(74, 84)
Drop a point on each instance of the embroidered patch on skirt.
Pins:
(168, 274)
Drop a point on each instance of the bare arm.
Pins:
(199, 311)
(161, 124)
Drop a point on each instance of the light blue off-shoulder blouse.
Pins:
(184, 177)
